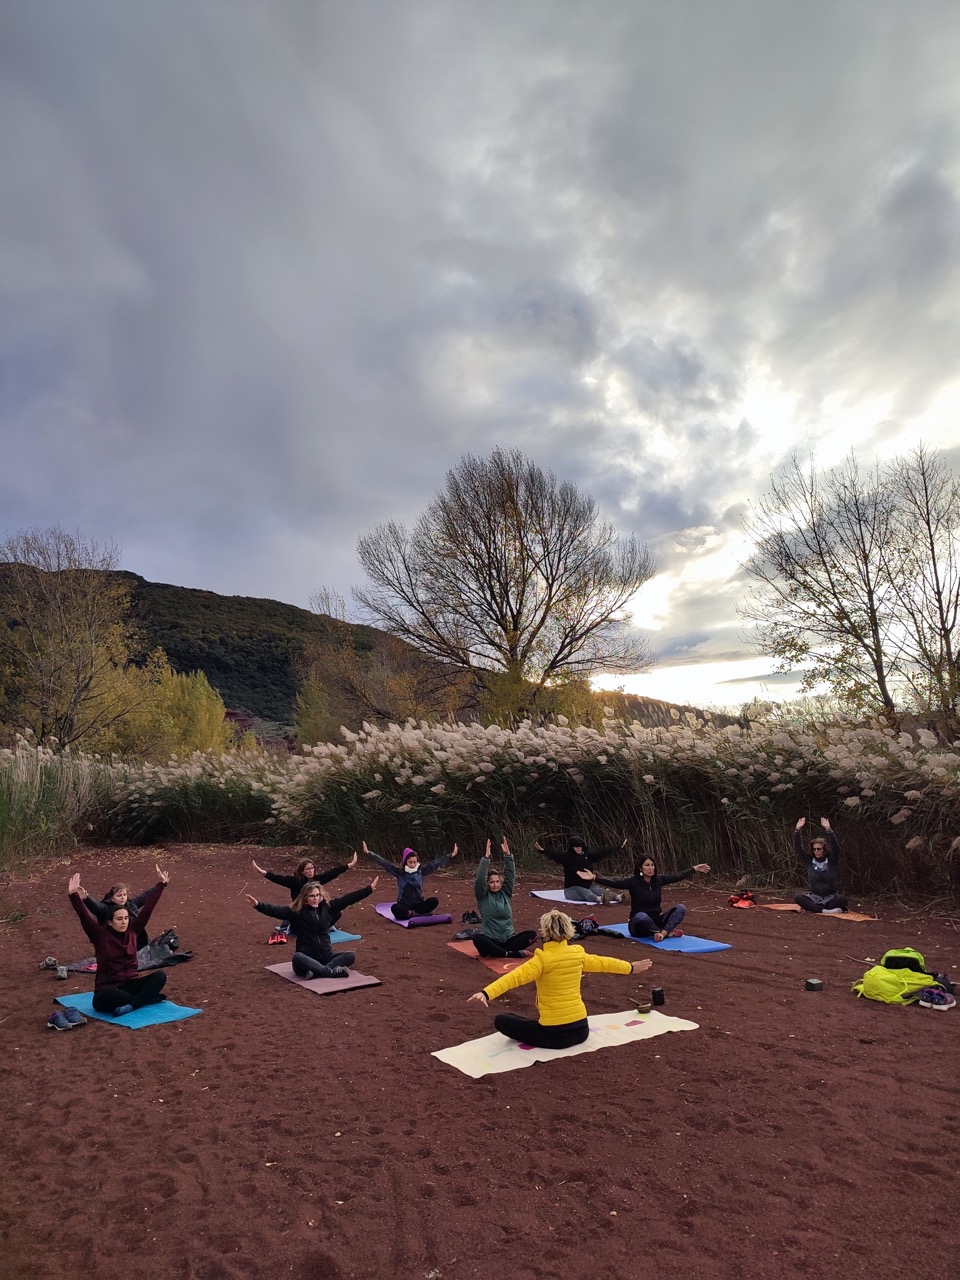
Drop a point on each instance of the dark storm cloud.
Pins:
(267, 271)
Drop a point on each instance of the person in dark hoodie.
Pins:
(409, 877)
(312, 915)
(117, 987)
(575, 858)
(821, 863)
(647, 917)
(306, 871)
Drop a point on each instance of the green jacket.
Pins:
(496, 910)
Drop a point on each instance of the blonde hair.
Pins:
(556, 926)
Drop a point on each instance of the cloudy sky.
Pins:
(267, 270)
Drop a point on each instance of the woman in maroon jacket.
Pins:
(117, 988)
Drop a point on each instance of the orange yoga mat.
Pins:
(855, 916)
(497, 966)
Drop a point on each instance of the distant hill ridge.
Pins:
(251, 649)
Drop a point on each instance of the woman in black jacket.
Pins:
(312, 915)
(647, 917)
(305, 872)
(821, 863)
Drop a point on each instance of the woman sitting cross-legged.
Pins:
(821, 863)
(312, 914)
(556, 969)
(494, 893)
(409, 877)
(647, 918)
(117, 987)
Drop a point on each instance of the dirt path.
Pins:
(285, 1135)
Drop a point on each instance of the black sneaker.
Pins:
(339, 973)
(470, 917)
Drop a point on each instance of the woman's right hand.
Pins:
(259, 870)
(374, 882)
(251, 899)
(478, 995)
(363, 846)
(801, 822)
(640, 966)
(74, 885)
(587, 875)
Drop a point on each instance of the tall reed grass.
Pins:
(692, 792)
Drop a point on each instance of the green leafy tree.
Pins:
(65, 631)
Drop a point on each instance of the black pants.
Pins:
(305, 966)
(135, 991)
(489, 948)
(404, 910)
(529, 1031)
(816, 902)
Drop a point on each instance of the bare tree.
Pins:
(64, 630)
(508, 570)
(926, 572)
(824, 599)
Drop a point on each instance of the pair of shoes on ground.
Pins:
(65, 1019)
(936, 998)
(611, 899)
(470, 917)
(663, 934)
(277, 938)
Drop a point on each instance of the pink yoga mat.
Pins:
(383, 909)
(324, 986)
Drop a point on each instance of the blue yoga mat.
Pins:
(688, 943)
(148, 1016)
(338, 935)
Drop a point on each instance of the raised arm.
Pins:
(798, 845)
(348, 899)
(383, 863)
(150, 900)
(509, 868)
(90, 923)
(268, 909)
(96, 909)
(480, 881)
(326, 876)
(442, 861)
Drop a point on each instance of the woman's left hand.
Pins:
(702, 867)
(374, 882)
(162, 876)
(825, 823)
(456, 850)
(353, 861)
(478, 995)
(251, 899)
(640, 966)
(74, 885)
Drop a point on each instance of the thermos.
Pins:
(658, 997)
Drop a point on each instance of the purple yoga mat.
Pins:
(383, 909)
(324, 986)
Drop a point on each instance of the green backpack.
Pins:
(898, 978)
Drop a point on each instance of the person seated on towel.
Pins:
(312, 914)
(306, 871)
(821, 863)
(494, 893)
(409, 876)
(556, 968)
(647, 918)
(117, 988)
(574, 858)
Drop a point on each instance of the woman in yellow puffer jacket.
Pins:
(556, 969)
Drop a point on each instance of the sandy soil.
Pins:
(284, 1135)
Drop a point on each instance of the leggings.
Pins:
(135, 992)
(406, 910)
(576, 894)
(643, 926)
(529, 1031)
(305, 966)
(819, 902)
(490, 948)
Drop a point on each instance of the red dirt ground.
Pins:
(281, 1134)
